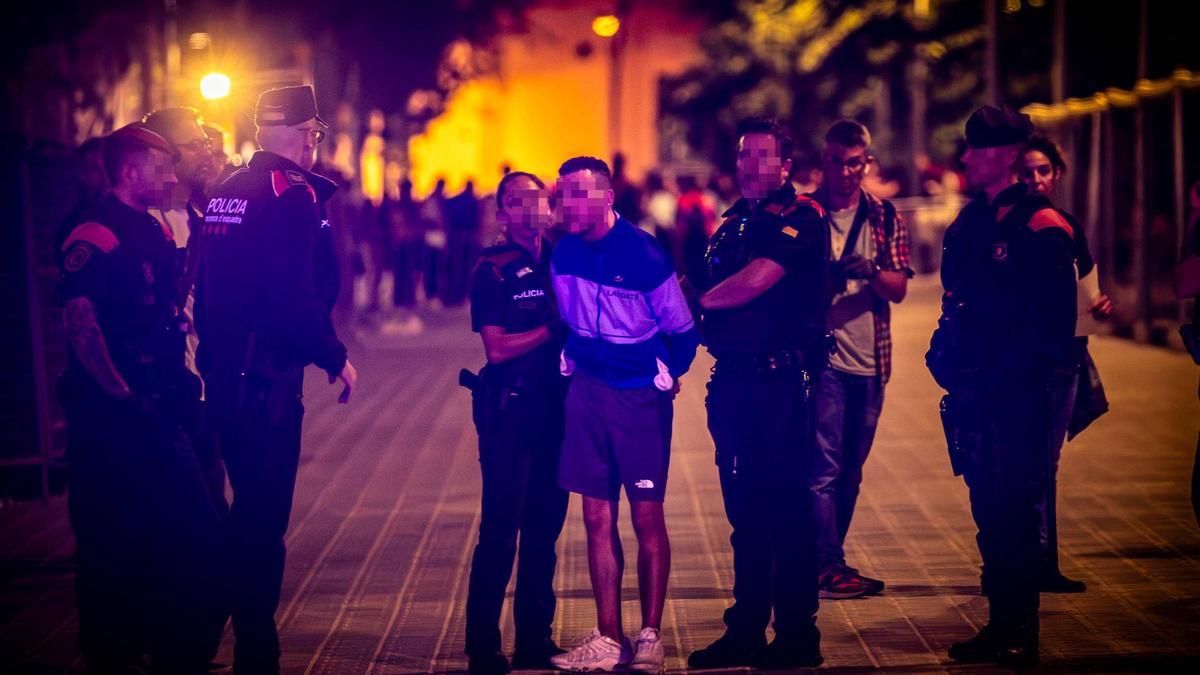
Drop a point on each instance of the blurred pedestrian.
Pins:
(1079, 400)
(627, 199)
(462, 242)
(405, 218)
(695, 221)
(659, 218)
(435, 239)
(1187, 285)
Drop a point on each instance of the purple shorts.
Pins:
(614, 438)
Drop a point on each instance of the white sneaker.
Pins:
(595, 652)
(648, 652)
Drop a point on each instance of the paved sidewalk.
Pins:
(387, 507)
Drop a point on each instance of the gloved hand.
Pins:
(857, 267)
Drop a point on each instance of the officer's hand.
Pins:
(349, 378)
(857, 267)
(1102, 307)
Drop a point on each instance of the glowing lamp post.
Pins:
(606, 25)
(215, 86)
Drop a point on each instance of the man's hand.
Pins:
(349, 378)
(855, 266)
(1101, 308)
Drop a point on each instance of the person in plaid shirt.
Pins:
(870, 245)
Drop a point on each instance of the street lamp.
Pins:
(606, 25)
(215, 85)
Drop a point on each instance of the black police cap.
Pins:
(287, 106)
(991, 127)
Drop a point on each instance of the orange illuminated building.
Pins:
(554, 92)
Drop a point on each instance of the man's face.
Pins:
(153, 180)
(583, 201)
(310, 134)
(845, 167)
(526, 208)
(760, 169)
(195, 167)
(1037, 172)
(988, 166)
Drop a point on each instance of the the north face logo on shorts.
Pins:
(644, 484)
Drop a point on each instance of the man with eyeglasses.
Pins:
(183, 215)
(267, 286)
(870, 271)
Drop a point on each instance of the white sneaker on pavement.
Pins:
(595, 652)
(648, 653)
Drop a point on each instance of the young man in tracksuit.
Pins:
(631, 336)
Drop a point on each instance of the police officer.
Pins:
(1003, 344)
(518, 409)
(764, 307)
(267, 285)
(145, 529)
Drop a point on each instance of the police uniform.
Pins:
(759, 413)
(145, 528)
(265, 295)
(518, 410)
(1005, 343)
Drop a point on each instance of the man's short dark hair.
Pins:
(168, 122)
(118, 152)
(771, 126)
(131, 144)
(1048, 148)
(510, 177)
(584, 163)
(848, 133)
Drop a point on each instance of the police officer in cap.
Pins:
(518, 410)
(764, 307)
(1003, 344)
(267, 286)
(145, 529)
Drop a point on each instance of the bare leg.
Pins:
(654, 560)
(606, 563)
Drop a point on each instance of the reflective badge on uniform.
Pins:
(1000, 251)
(79, 254)
(523, 271)
(790, 231)
(295, 177)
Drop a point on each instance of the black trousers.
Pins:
(518, 455)
(147, 539)
(763, 431)
(1007, 485)
(260, 443)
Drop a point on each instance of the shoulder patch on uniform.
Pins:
(93, 233)
(282, 180)
(802, 200)
(1049, 218)
(77, 257)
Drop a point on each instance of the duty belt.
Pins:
(760, 364)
